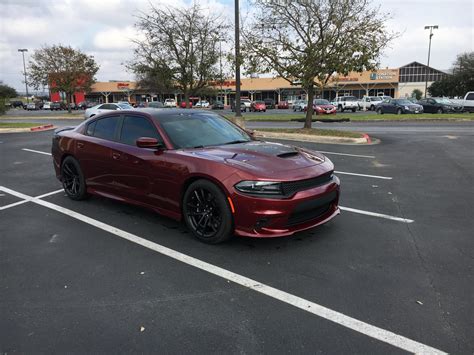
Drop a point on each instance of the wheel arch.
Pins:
(211, 179)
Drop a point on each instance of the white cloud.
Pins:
(116, 38)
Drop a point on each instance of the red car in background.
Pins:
(199, 167)
(323, 107)
(183, 104)
(258, 106)
(283, 105)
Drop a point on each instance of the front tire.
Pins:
(207, 213)
(379, 111)
(440, 110)
(73, 179)
(399, 111)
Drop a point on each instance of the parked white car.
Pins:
(47, 105)
(170, 103)
(202, 103)
(300, 105)
(246, 102)
(346, 103)
(90, 112)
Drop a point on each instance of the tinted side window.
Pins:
(135, 127)
(105, 127)
(470, 96)
(90, 128)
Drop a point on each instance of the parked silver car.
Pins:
(90, 112)
(300, 105)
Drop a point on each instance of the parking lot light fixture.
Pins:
(431, 28)
(23, 50)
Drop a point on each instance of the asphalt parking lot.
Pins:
(392, 274)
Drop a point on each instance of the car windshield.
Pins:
(125, 106)
(192, 130)
(443, 101)
(350, 98)
(259, 102)
(375, 99)
(321, 102)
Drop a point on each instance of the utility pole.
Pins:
(23, 50)
(431, 28)
(238, 115)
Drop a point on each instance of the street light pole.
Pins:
(431, 28)
(238, 114)
(23, 50)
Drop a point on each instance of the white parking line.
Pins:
(348, 155)
(35, 151)
(298, 302)
(374, 214)
(28, 199)
(364, 175)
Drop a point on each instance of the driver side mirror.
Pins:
(147, 142)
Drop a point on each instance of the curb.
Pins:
(42, 128)
(365, 139)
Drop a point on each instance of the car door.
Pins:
(141, 174)
(93, 151)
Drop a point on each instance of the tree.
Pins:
(63, 68)
(417, 94)
(307, 41)
(180, 50)
(6, 92)
(460, 82)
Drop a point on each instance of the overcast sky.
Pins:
(103, 28)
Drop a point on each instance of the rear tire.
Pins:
(72, 179)
(206, 212)
(399, 111)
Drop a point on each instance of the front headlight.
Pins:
(260, 187)
(407, 108)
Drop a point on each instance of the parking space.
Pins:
(391, 274)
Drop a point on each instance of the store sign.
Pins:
(123, 86)
(385, 75)
(347, 78)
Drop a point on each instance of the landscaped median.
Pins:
(359, 117)
(314, 135)
(15, 127)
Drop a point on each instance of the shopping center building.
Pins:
(399, 82)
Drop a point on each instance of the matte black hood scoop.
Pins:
(287, 154)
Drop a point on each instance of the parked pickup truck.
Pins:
(346, 103)
(371, 102)
(467, 103)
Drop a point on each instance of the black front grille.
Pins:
(309, 210)
(292, 187)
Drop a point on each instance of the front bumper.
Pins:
(265, 217)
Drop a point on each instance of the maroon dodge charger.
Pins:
(200, 167)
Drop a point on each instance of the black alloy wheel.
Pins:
(73, 179)
(207, 213)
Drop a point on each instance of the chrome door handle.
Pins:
(116, 156)
(80, 145)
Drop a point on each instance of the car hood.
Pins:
(262, 157)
